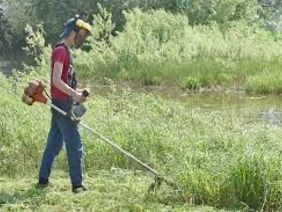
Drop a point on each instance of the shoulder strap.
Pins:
(67, 49)
(72, 79)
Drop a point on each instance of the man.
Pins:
(63, 92)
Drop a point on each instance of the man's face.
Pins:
(80, 37)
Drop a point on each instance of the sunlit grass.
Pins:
(215, 158)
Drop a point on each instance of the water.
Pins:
(251, 109)
(264, 109)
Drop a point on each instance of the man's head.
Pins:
(75, 31)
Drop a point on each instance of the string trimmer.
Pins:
(35, 92)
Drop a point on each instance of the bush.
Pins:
(157, 47)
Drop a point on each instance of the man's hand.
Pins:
(79, 98)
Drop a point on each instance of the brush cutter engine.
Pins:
(77, 111)
(35, 92)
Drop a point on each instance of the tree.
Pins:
(6, 38)
(271, 13)
(220, 11)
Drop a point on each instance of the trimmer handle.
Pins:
(86, 92)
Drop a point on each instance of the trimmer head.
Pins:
(155, 185)
(158, 182)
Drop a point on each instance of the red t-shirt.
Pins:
(60, 54)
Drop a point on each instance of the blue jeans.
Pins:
(63, 129)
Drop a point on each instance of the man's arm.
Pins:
(62, 86)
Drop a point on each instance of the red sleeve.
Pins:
(60, 55)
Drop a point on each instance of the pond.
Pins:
(251, 109)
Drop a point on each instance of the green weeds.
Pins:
(213, 157)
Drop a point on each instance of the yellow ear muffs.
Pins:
(81, 24)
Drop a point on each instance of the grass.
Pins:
(160, 48)
(217, 158)
(115, 190)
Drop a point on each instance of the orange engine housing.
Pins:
(34, 93)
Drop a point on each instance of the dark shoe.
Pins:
(78, 189)
(42, 183)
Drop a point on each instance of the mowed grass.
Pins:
(115, 190)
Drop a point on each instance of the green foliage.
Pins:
(5, 28)
(35, 42)
(157, 47)
(13, 19)
(199, 12)
(57, 13)
(270, 13)
(269, 82)
(216, 158)
(222, 12)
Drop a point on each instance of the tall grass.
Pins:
(215, 158)
(160, 48)
(157, 47)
